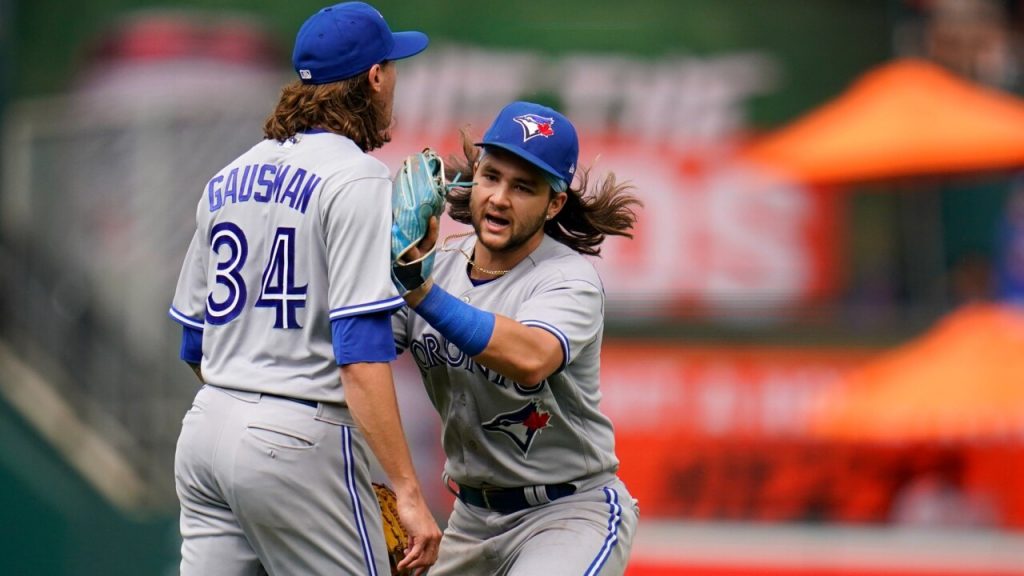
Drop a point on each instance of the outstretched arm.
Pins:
(523, 353)
(370, 394)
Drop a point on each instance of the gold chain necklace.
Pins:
(469, 258)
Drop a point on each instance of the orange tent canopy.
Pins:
(905, 118)
(962, 380)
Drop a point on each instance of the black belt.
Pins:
(310, 403)
(508, 500)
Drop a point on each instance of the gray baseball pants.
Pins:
(585, 534)
(271, 486)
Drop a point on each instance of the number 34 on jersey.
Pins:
(277, 290)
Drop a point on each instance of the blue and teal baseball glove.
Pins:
(417, 195)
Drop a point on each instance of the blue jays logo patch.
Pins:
(534, 125)
(522, 425)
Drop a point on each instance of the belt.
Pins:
(508, 500)
(330, 412)
(310, 403)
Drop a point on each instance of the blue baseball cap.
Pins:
(540, 135)
(346, 39)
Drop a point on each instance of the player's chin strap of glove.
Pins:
(417, 195)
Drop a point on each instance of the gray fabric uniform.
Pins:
(289, 237)
(498, 433)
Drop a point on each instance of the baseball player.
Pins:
(285, 300)
(507, 336)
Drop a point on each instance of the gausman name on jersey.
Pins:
(263, 183)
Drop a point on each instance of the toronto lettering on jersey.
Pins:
(433, 351)
(263, 183)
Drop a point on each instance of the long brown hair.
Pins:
(582, 224)
(346, 107)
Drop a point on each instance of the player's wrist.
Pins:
(467, 327)
(415, 296)
(407, 489)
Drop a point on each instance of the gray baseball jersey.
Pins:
(495, 431)
(282, 233)
(498, 433)
(290, 237)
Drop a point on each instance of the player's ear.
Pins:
(375, 75)
(555, 204)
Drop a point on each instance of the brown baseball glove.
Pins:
(394, 534)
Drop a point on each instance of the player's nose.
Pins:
(501, 195)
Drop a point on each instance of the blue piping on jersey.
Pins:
(476, 282)
(357, 309)
(614, 521)
(562, 339)
(353, 492)
(184, 320)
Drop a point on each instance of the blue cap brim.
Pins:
(408, 44)
(525, 155)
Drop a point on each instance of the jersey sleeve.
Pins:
(357, 227)
(571, 310)
(188, 307)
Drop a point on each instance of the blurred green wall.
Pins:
(54, 524)
(822, 44)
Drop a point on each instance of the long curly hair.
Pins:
(346, 107)
(587, 217)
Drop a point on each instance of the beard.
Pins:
(517, 237)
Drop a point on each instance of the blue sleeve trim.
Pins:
(191, 345)
(562, 339)
(358, 309)
(184, 320)
(364, 338)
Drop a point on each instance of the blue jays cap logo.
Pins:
(535, 125)
(520, 426)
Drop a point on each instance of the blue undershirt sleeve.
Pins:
(363, 338)
(191, 345)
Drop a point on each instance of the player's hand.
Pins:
(425, 245)
(412, 270)
(424, 535)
